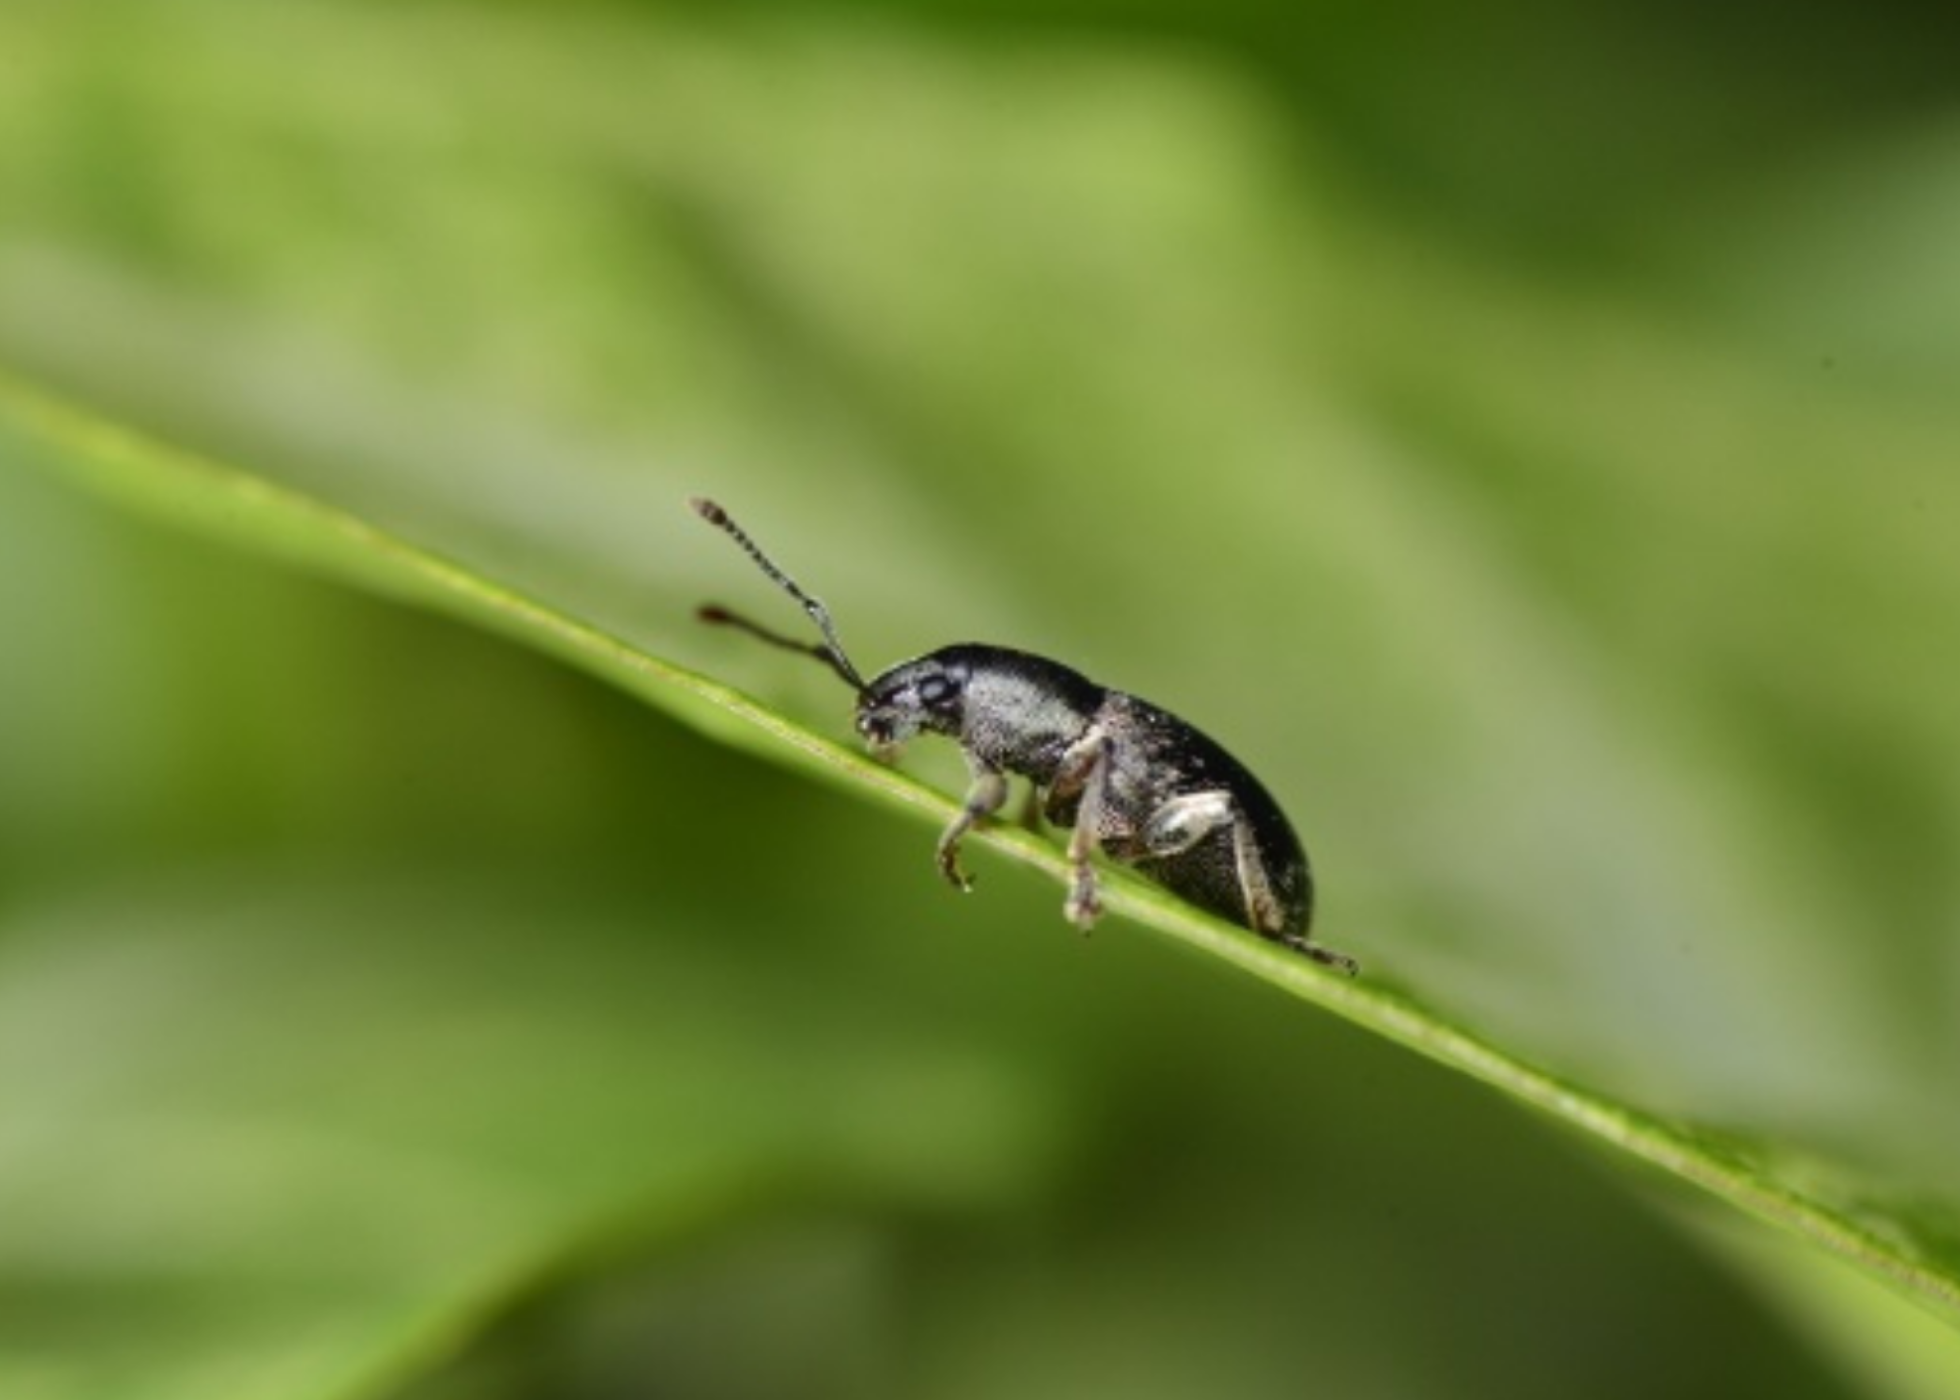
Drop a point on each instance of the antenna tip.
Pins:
(713, 612)
(708, 510)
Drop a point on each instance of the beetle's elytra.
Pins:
(1121, 775)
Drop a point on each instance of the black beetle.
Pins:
(1127, 778)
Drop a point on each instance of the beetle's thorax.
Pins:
(1009, 709)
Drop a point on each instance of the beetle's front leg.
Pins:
(983, 799)
(1086, 768)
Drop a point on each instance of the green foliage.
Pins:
(381, 1008)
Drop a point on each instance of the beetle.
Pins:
(1123, 776)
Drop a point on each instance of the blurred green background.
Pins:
(1527, 436)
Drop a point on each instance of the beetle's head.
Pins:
(924, 695)
(927, 695)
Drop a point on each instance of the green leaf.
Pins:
(1897, 1241)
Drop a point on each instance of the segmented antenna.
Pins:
(830, 651)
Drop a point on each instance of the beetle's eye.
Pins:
(935, 690)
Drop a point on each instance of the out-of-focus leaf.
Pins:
(1595, 630)
(250, 1151)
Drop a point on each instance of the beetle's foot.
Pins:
(1084, 905)
(949, 866)
(1325, 956)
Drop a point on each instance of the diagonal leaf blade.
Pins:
(1902, 1242)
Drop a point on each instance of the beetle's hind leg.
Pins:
(1184, 821)
(1320, 953)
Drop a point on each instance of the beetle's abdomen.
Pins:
(1160, 757)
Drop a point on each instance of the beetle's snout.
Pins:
(875, 726)
(883, 728)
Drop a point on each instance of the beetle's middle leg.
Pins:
(983, 799)
(1086, 768)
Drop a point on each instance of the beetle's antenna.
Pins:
(715, 613)
(830, 650)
